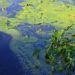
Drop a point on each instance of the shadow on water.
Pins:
(9, 64)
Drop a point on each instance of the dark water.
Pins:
(9, 64)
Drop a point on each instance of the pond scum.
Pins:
(61, 51)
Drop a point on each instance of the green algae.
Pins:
(37, 12)
(47, 12)
(34, 12)
(14, 22)
(13, 32)
(8, 29)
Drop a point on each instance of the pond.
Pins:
(20, 36)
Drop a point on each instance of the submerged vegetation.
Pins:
(60, 52)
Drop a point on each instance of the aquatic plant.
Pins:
(45, 11)
(10, 23)
(60, 52)
(9, 29)
(50, 12)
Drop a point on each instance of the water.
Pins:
(9, 64)
(19, 61)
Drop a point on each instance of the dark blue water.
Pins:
(9, 64)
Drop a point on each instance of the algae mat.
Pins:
(30, 23)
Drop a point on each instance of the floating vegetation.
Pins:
(59, 11)
(60, 52)
(55, 13)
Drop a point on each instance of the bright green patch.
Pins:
(47, 12)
